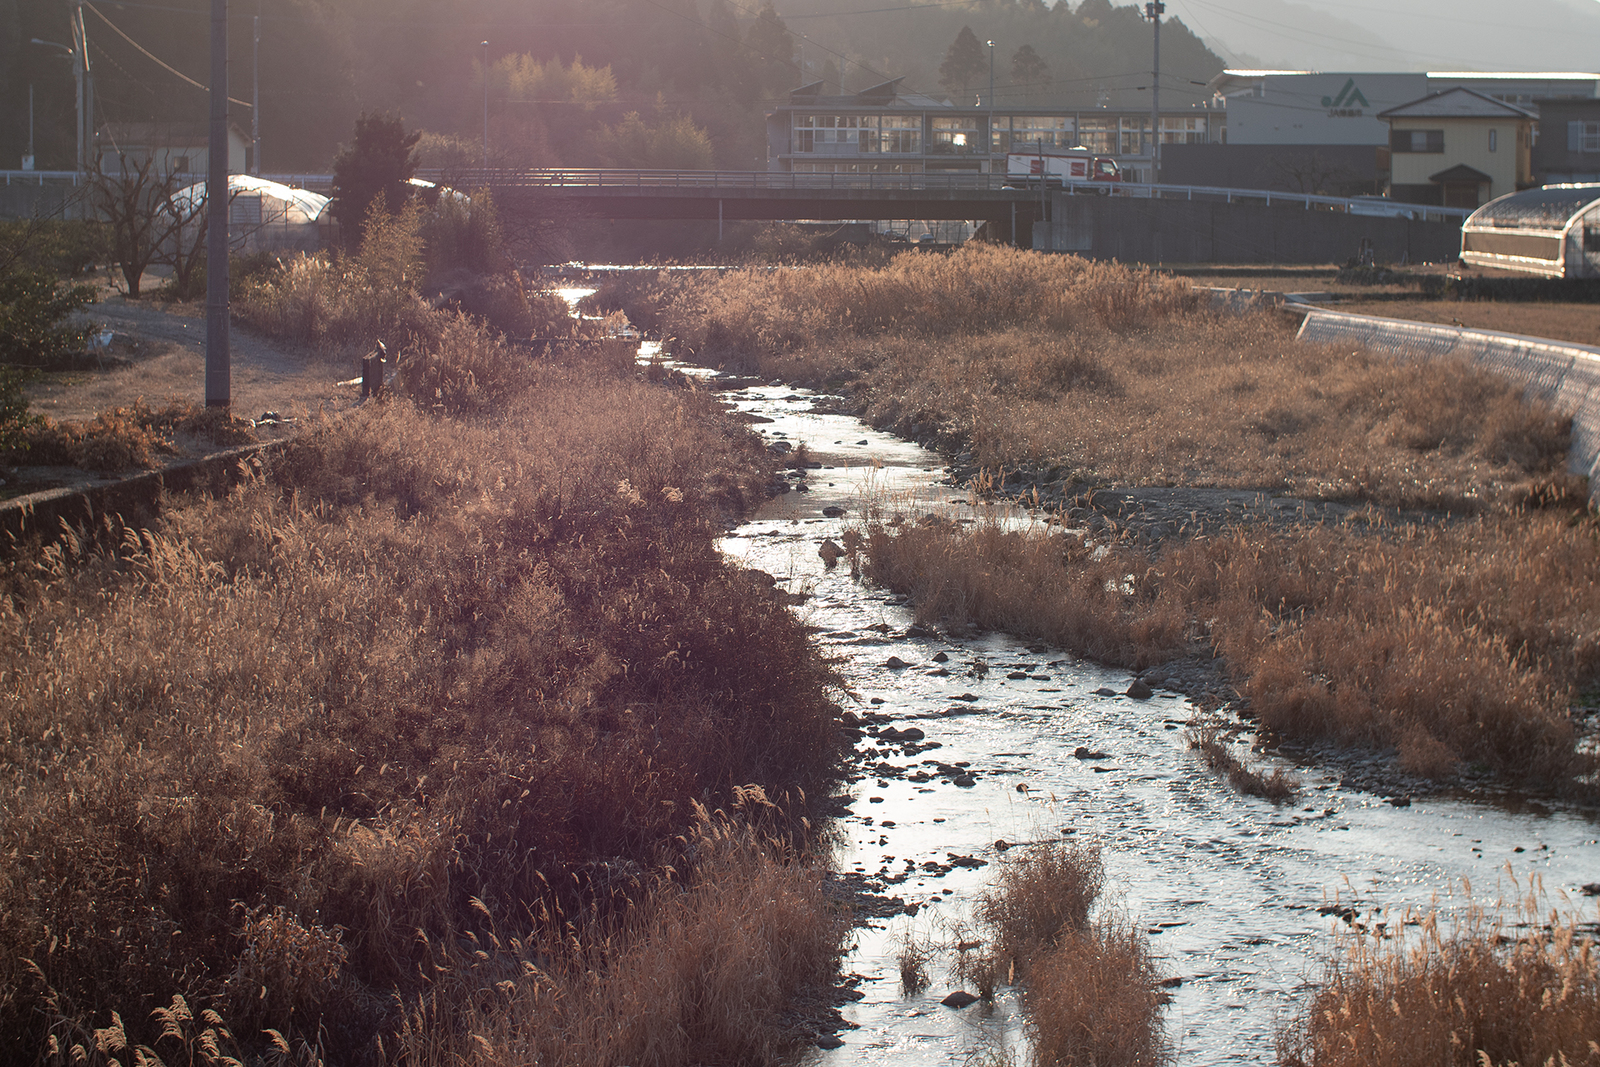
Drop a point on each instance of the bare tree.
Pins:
(132, 204)
(1311, 172)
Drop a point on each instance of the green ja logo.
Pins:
(1349, 96)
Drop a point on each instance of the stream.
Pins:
(1241, 899)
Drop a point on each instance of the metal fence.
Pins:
(733, 181)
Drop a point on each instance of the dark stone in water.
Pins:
(895, 663)
(833, 511)
(1083, 753)
(830, 1042)
(959, 999)
(1405, 802)
(1138, 690)
(1104, 692)
(938, 657)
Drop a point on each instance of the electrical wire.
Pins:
(157, 61)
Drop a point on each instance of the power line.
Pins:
(154, 59)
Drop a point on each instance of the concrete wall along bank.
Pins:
(1564, 374)
(1214, 231)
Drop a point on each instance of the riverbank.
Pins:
(1361, 519)
(422, 741)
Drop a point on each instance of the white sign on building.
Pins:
(1319, 108)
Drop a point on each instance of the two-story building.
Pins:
(1458, 148)
(1567, 150)
(883, 130)
(171, 147)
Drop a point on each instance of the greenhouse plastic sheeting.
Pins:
(1548, 208)
(1563, 374)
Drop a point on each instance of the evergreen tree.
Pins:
(965, 61)
(378, 162)
(772, 51)
(1029, 68)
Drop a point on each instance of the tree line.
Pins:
(673, 83)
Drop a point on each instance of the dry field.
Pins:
(413, 746)
(1562, 322)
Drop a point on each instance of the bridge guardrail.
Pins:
(616, 178)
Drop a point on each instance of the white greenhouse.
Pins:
(264, 216)
(1552, 231)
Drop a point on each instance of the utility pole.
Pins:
(80, 70)
(1154, 10)
(219, 384)
(255, 97)
(486, 105)
(989, 133)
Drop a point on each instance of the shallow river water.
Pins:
(1232, 891)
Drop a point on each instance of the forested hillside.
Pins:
(672, 83)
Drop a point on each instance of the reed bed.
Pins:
(1502, 985)
(297, 755)
(1451, 646)
(1092, 989)
(1110, 373)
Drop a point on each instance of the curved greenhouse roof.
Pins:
(297, 205)
(1553, 231)
(1547, 208)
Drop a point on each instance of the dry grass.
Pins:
(698, 972)
(1444, 644)
(1092, 988)
(1209, 741)
(127, 437)
(1107, 372)
(1492, 988)
(421, 672)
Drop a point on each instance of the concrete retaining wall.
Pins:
(1213, 231)
(135, 500)
(1564, 374)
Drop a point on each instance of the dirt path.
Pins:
(158, 354)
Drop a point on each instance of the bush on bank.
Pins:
(1103, 372)
(426, 703)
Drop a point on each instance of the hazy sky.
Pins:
(1399, 34)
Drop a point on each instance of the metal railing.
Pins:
(576, 178)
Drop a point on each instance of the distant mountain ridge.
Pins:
(1398, 35)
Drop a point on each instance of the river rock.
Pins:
(895, 663)
(830, 553)
(941, 657)
(1086, 754)
(833, 511)
(959, 999)
(1105, 692)
(1138, 690)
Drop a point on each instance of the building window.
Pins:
(833, 134)
(1135, 133)
(900, 133)
(1099, 134)
(1416, 140)
(958, 136)
(1183, 131)
(1583, 137)
(1026, 133)
(1494, 140)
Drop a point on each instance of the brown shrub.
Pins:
(1092, 989)
(1450, 643)
(1277, 787)
(1111, 373)
(1495, 987)
(125, 437)
(420, 670)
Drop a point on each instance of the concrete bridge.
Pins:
(1132, 222)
